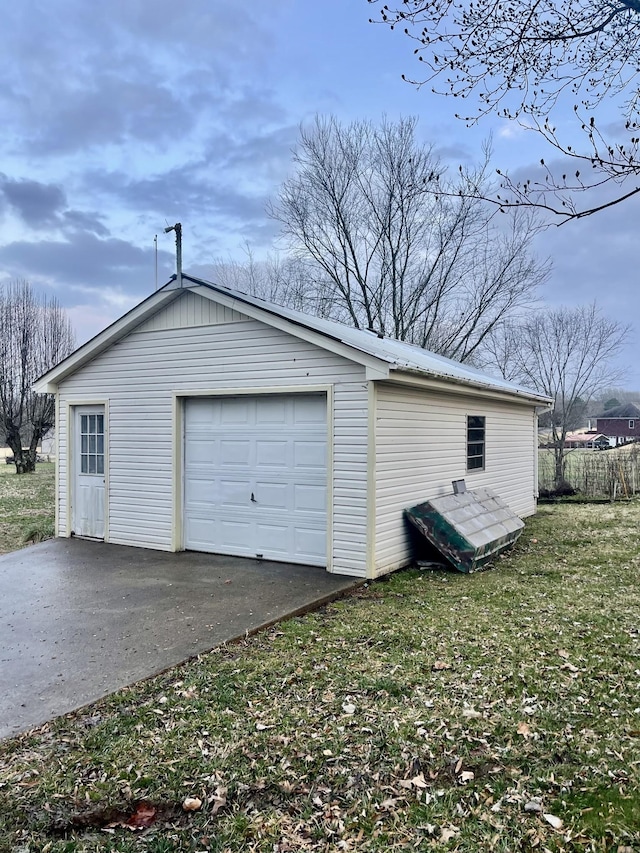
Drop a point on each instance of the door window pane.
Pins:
(92, 444)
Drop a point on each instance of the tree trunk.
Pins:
(559, 467)
(24, 458)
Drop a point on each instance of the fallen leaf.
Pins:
(448, 833)
(533, 806)
(552, 820)
(143, 816)
(563, 653)
(466, 776)
(570, 667)
(192, 804)
(348, 708)
(471, 713)
(389, 804)
(218, 800)
(524, 729)
(441, 664)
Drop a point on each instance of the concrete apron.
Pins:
(80, 619)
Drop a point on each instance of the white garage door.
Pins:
(256, 476)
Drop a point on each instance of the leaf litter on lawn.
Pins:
(488, 712)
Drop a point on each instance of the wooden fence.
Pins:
(596, 473)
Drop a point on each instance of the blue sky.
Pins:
(121, 117)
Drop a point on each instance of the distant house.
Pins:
(586, 440)
(620, 424)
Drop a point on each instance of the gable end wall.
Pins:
(139, 376)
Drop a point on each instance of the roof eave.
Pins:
(412, 375)
(48, 382)
(376, 366)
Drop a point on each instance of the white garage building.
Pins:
(210, 420)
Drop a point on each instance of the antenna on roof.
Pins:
(155, 246)
(178, 229)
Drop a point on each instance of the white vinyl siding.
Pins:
(421, 446)
(188, 310)
(139, 376)
(350, 477)
(62, 469)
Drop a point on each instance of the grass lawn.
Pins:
(497, 711)
(26, 506)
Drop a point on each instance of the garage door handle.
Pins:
(253, 498)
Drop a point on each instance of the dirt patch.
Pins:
(136, 816)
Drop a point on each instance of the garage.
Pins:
(239, 427)
(255, 476)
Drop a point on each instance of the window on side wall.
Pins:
(475, 442)
(632, 424)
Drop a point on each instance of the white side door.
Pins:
(89, 472)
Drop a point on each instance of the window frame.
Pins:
(476, 424)
(632, 423)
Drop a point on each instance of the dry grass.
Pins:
(498, 711)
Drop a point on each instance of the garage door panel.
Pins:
(234, 534)
(277, 446)
(275, 538)
(201, 451)
(272, 454)
(235, 453)
(231, 411)
(310, 454)
(309, 499)
(234, 493)
(272, 496)
(311, 410)
(201, 413)
(270, 411)
(310, 543)
(201, 491)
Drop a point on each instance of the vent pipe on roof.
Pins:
(178, 229)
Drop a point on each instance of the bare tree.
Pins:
(566, 354)
(383, 251)
(521, 59)
(35, 334)
(281, 278)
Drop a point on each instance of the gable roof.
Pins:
(585, 436)
(360, 345)
(625, 411)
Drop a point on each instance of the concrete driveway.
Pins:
(80, 619)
